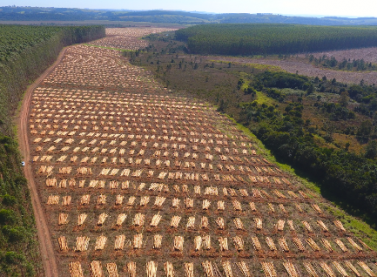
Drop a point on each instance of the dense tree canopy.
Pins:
(260, 39)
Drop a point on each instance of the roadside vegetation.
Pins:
(324, 129)
(25, 53)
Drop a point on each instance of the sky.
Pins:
(351, 8)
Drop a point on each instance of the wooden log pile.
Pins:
(96, 269)
(151, 269)
(75, 269)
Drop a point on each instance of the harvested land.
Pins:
(303, 67)
(368, 54)
(125, 39)
(137, 181)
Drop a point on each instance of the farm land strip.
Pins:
(134, 179)
(303, 67)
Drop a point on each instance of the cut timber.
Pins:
(169, 269)
(63, 219)
(283, 244)
(208, 269)
(256, 244)
(155, 220)
(227, 268)
(220, 223)
(322, 225)
(242, 266)
(112, 270)
(366, 268)
(207, 242)
(239, 225)
(96, 269)
(290, 268)
(191, 222)
(280, 225)
(119, 242)
(151, 269)
(75, 269)
(310, 269)
(82, 244)
(119, 199)
(204, 222)
(307, 226)
(340, 269)
(220, 205)
(298, 244)
(352, 268)
(327, 269)
(189, 269)
(237, 205)
(101, 219)
(178, 243)
(269, 269)
(100, 243)
(120, 219)
(339, 225)
(223, 244)
(198, 243)
(258, 223)
(313, 244)
(131, 269)
(271, 244)
(63, 244)
(138, 241)
(139, 219)
(327, 245)
(341, 245)
(238, 243)
(175, 221)
(157, 239)
(81, 219)
(354, 244)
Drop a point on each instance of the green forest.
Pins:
(324, 129)
(265, 39)
(25, 52)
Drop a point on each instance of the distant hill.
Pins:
(13, 13)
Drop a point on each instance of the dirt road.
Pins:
(45, 243)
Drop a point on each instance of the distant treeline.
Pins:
(25, 52)
(13, 13)
(263, 39)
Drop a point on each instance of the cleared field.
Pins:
(136, 181)
(128, 38)
(294, 65)
(368, 54)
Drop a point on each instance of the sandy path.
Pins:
(45, 243)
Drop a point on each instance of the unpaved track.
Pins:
(45, 243)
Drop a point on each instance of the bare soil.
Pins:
(304, 68)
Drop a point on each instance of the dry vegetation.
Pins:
(138, 182)
(301, 66)
(367, 54)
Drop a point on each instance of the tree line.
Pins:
(264, 39)
(25, 52)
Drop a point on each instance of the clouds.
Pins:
(291, 7)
